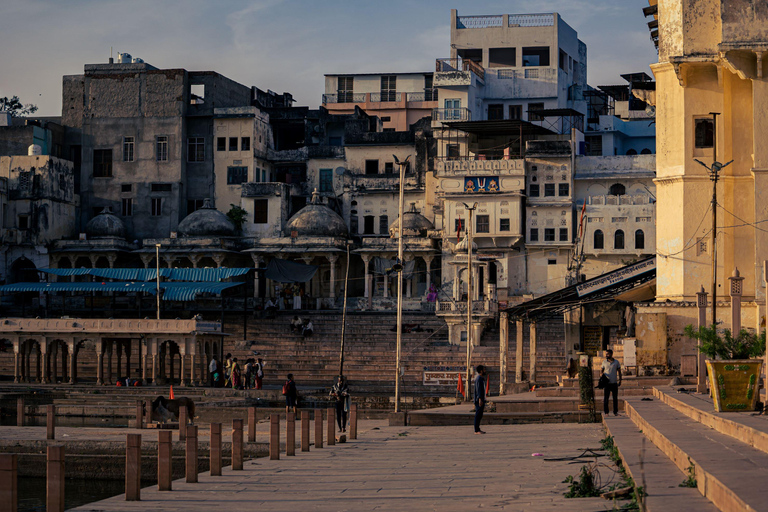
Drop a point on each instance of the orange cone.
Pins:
(171, 396)
(460, 387)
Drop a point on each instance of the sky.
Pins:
(282, 45)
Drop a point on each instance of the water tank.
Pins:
(123, 58)
(34, 150)
(137, 60)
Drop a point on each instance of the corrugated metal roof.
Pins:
(210, 275)
(172, 291)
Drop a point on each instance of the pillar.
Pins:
(366, 262)
(119, 347)
(251, 424)
(386, 286)
(237, 444)
(353, 421)
(290, 434)
(256, 275)
(154, 369)
(532, 354)
(133, 467)
(183, 358)
(428, 261)
(192, 366)
(164, 458)
(183, 420)
(215, 449)
(16, 366)
(43, 374)
(274, 437)
(50, 422)
(99, 367)
(140, 414)
(20, 412)
(54, 496)
(332, 259)
(318, 428)
(9, 494)
(519, 352)
(331, 426)
(701, 373)
(503, 351)
(109, 361)
(736, 285)
(73, 363)
(305, 430)
(191, 454)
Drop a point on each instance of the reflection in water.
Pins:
(76, 492)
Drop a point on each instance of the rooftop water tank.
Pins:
(34, 150)
(123, 58)
(137, 60)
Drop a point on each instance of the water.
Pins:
(76, 492)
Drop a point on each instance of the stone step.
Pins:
(574, 392)
(434, 418)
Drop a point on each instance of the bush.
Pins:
(745, 345)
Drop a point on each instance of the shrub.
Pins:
(745, 345)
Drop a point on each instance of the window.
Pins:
(389, 167)
(563, 189)
(237, 175)
(704, 132)
(221, 143)
(597, 239)
(631, 152)
(160, 187)
(639, 239)
(515, 111)
(453, 151)
(245, 144)
(127, 207)
(344, 89)
(371, 167)
(126, 188)
(536, 56)
(594, 145)
(128, 147)
(645, 151)
(354, 224)
(383, 225)
(156, 206)
(233, 143)
(161, 148)
(261, 211)
(533, 109)
(194, 204)
(388, 88)
(326, 180)
(102, 163)
(617, 189)
(495, 112)
(335, 141)
(196, 149)
(549, 189)
(533, 190)
(534, 235)
(23, 222)
(386, 119)
(551, 261)
(563, 61)
(549, 234)
(503, 224)
(197, 94)
(452, 109)
(563, 234)
(618, 239)
(483, 225)
(368, 224)
(502, 57)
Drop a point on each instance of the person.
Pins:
(308, 329)
(612, 370)
(432, 295)
(259, 372)
(291, 394)
(213, 367)
(236, 376)
(573, 368)
(296, 296)
(271, 309)
(248, 373)
(340, 393)
(227, 370)
(296, 325)
(479, 397)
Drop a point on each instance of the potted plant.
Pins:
(732, 364)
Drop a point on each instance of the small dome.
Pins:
(415, 224)
(461, 247)
(207, 221)
(105, 225)
(316, 219)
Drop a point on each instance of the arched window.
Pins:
(598, 239)
(618, 239)
(639, 239)
(645, 151)
(617, 189)
(632, 152)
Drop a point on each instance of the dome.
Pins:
(316, 219)
(105, 225)
(461, 247)
(415, 224)
(207, 221)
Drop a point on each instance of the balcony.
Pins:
(451, 114)
(471, 166)
(482, 308)
(608, 200)
(380, 97)
(457, 71)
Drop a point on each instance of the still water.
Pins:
(76, 492)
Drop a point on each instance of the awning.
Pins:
(210, 275)
(500, 127)
(284, 271)
(171, 291)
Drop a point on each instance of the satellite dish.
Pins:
(340, 171)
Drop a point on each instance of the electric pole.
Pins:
(468, 388)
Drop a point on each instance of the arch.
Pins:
(168, 354)
(56, 367)
(618, 239)
(617, 189)
(646, 151)
(639, 239)
(632, 152)
(598, 240)
(27, 349)
(23, 270)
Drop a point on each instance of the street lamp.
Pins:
(470, 209)
(399, 271)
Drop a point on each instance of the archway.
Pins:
(28, 349)
(56, 362)
(169, 362)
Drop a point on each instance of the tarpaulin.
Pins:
(207, 275)
(171, 291)
(384, 266)
(284, 271)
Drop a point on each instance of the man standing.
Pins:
(291, 394)
(213, 367)
(259, 369)
(612, 370)
(479, 397)
(340, 392)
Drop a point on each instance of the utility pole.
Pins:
(468, 388)
(344, 314)
(402, 166)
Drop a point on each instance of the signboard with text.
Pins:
(616, 277)
(443, 375)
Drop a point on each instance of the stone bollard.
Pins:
(305, 431)
(237, 445)
(147, 412)
(331, 426)
(191, 454)
(290, 434)
(274, 437)
(215, 449)
(251, 424)
(50, 422)
(9, 495)
(20, 412)
(54, 496)
(164, 460)
(182, 423)
(318, 428)
(133, 467)
(353, 421)
(139, 414)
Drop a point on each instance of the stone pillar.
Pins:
(237, 445)
(194, 259)
(46, 362)
(50, 422)
(154, 369)
(191, 454)
(139, 414)
(9, 479)
(215, 449)
(318, 428)
(353, 421)
(183, 421)
(701, 373)
(736, 287)
(99, 367)
(428, 261)
(109, 361)
(192, 366)
(183, 358)
(274, 437)
(290, 434)
(305, 430)
(119, 346)
(164, 459)
(332, 287)
(73, 363)
(16, 365)
(54, 499)
(251, 424)
(386, 286)
(20, 412)
(519, 352)
(219, 259)
(503, 351)
(257, 260)
(532, 354)
(331, 426)
(366, 261)
(133, 467)
(408, 288)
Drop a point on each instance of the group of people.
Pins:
(231, 375)
(339, 393)
(303, 327)
(288, 297)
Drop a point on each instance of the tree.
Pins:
(15, 107)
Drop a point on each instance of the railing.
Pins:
(344, 97)
(469, 166)
(486, 307)
(427, 95)
(446, 65)
(386, 96)
(531, 20)
(451, 114)
(609, 200)
(480, 21)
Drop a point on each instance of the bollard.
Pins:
(9, 493)
(305, 431)
(331, 426)
(139, 414)
(147, 405)
(182, 423)
(318, 428)
(290, 434)
(251, 424)
(164, 459)
(274, 437)
(50, 422)
(20, 412)
(191, 454)
(353, 421)
(237, 445)
(215, 449)
(54, 496)
(133, 467)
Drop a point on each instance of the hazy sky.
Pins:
(283, 45)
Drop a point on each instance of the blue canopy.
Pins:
(209, 275)
(171, 291)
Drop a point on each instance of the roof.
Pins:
(149, 274)
(171, 291)
(556, 112)
(500, 127)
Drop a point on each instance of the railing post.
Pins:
(182, 423)
(290, 434)
(164, 458)
(133, 467)
(191, 453)
(50, 422)
(140, 414)
(215, 449)
(237, 444)
(274, 437)
(251, 424)
(305, 430)
(54, 496)
(331, 426)
(20, 412)
(318, 428)
(353, 421)
(9, 481)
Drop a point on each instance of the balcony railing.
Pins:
(386, 96)
(470, 166)
(427, 95)
(531, 20)
(446, 65)
(344, 97)
(479, 21)
(480, 307)
(451, 114)
(608, 200)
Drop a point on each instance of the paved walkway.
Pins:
(397, 468)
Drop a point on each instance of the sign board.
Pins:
(630, 352)
(616, 277)
(481, 184)
(443, 375)
(208, 326)
(593, 339)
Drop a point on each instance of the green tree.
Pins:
(237, 215)
(16, 108)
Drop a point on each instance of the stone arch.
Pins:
(169, 362)
(57, 362)
(22, 270)
(29, 349)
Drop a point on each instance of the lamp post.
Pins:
(470, 209)
(402, 166)
(344, 313)
(157, 262)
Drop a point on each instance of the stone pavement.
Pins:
(398, 468)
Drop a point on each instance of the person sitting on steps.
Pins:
(308, 329)
(296, 325)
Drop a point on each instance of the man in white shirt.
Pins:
(612, 370)
(213, 367)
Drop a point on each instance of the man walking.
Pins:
(213, 367)
(612, 370)
(291, 394)
(340, 392)
(479, 397)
